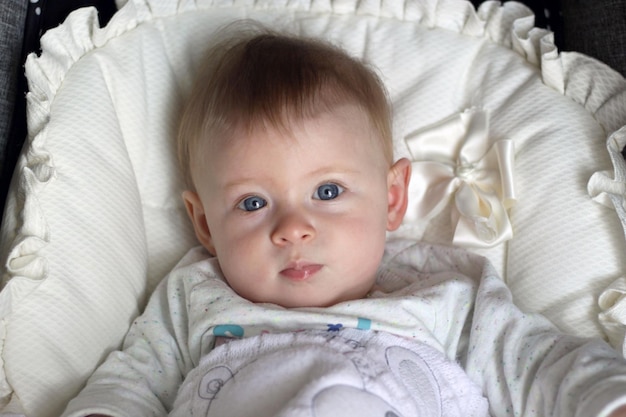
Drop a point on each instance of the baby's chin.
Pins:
(313, 302)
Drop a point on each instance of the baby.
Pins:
(294, 305)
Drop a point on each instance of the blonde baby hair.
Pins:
(257, 78)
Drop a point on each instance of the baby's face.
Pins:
(299, 218)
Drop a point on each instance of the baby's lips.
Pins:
(300, 272)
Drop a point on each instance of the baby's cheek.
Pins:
(370, 224)
(365, 240)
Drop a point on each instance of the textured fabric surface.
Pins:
(596, 28)
(95, 219)
(12, 18)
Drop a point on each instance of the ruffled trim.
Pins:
(510, 25)
(610, 189)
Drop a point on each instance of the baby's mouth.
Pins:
(300, 272)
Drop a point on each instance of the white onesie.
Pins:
(437, 307)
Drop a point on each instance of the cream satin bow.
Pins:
(453, 159)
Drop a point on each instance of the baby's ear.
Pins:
(196, 213)
(398, 192)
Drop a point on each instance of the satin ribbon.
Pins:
(453, 160)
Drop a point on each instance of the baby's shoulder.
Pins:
(196, 266)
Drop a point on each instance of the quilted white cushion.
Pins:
(95, 218)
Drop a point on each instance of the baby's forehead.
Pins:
(344, 130)
(288, 128)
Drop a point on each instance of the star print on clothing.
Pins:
(334, 327)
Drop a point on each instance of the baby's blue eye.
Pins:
(328, 191)
(252, 204)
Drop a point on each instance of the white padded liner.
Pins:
(95, 220)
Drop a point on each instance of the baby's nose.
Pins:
(292, 228)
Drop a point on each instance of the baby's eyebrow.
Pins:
(326, 172)
(320, 172)
(239, 182)
(334, 170)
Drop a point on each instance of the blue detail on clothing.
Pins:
(228, 330)
(364, 324)
(334, 327)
